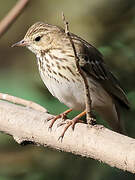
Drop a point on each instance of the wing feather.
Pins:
(91, 61)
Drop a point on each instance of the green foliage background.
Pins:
(107, 24)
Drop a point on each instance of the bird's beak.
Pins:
(21, 43)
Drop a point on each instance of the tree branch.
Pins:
(20, 101)
(12, 15)
(28, 125)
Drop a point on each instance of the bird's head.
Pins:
(40, 37)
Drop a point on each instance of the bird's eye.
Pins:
(38, 38)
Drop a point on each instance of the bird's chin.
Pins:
(32, 49)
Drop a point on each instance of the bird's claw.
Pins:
(50, 118)
(68, 123)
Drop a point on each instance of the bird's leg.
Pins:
(71, 123)
(91, 120)
(62, 115)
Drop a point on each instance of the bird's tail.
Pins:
(112, 116)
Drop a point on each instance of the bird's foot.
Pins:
(70, 123)
(63, 116)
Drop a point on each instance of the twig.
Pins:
(88, 100)
(12, 15)
(17, 100)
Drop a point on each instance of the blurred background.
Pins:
(107, 24)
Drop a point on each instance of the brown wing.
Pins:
(93, 64)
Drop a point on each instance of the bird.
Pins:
(57, 67)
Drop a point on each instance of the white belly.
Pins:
(72, 94)
(66, 92)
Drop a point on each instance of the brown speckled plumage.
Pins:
(57, 68)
